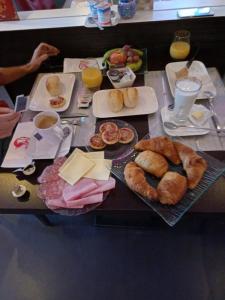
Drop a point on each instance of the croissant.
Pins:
(171, 188)
(162, 145)
(135, 179)
(152, 163)
(194, 165)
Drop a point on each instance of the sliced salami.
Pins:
(50, 173)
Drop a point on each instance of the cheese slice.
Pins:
(90, 155)
(75, 169)
(101, 170)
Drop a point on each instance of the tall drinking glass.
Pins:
(180, 47)
(186, 92)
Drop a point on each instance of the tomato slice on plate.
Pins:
(126, 135)
(109, 126)
(96, 142)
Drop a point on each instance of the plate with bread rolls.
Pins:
(53, 92)
(168, 175)
(124, 102)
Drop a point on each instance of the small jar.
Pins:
(127, 8)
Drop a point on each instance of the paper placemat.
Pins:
(209, 142)
(87, 126)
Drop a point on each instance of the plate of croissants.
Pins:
(168, 175)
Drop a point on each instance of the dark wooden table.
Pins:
(120, 202)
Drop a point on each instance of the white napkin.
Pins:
(71, 65)
(17, 157)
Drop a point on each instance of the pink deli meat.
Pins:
(59, 194)
(80, 189)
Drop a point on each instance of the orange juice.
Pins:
(92, 77)
(179, 50)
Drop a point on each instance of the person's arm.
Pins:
(41, 53)
(8, 120)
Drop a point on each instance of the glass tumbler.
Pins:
(127, 8)
(180, 47)
(186, 92)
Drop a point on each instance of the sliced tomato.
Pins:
(96, 142)
(126, 135)
(57, 102)
(109, 126)
(110, 137)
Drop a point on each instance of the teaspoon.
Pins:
(173, 126)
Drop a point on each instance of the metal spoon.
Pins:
(70, 122)
(91, 20)
(66, 133)
(172, 126)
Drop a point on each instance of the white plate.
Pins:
(40, 98)
(197, 69)
(167, 115)
(147, 104)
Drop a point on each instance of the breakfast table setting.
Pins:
(92, 177)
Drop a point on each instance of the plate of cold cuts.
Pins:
(66, 199)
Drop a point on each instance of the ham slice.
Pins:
(85, 201)
(103, 186)
(80, 189)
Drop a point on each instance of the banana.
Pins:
(135, 66)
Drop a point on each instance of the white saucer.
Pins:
(167, 115)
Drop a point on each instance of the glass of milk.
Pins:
(186, 92)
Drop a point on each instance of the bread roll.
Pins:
(152, 163)
(130, 97)
(53, 85)
(115, 100)
(171, 188)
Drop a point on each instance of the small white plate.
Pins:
(167, 115)
(197, 69)
(40, 98)
(147, 104)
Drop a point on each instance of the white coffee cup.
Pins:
(47, 126)
(186, 92)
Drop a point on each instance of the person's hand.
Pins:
(41, 53)
(8, 120)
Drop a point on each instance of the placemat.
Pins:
(208, 142)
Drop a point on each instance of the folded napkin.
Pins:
(24, 147)
(72, 65)
(58, 194)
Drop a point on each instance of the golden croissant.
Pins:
(135, 179)
(194, 165)
(162, 145)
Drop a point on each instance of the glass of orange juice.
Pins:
(92, 78)
(180, 47)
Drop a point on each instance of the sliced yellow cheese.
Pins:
(101, 170)
(76, 168)
(90, 155)
(198, 115)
